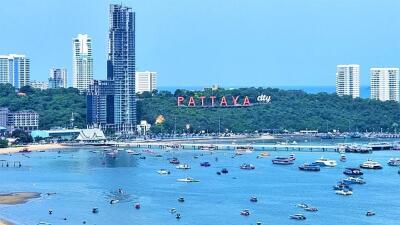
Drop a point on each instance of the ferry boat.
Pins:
(183, 166)
(354, 180)
(380, 146)
(343, 192)
(174, 161)
(205, 164)
(297, 217)
(246, 166)
(394, 162)
(188, 180)
(163, 172)
(310, 167)
(326, 162)
(282, 161)
(369, 164)
(353, 172)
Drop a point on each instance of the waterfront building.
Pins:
(100, 104)
(4, 117)
(58, 78)
(385, 84)
(82, 62)
(145, 81)
(14, 69)
(39, 85)
(121, 66)
(348, 80)
(25, 120)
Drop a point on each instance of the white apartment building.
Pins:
(39, 85)
(145, 81)
(25, 120)
(14, 69)
(385, 84)
(348, 80)
(82, 62)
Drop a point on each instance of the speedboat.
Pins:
(188, 180)
(253, 199)
(297, 217)
(310, 167)
(172, 211)
(181, 199)
(246, 166)
(369, 164)
(354, 180)
(302, 205)
(394, 162)
(282, 161)
(311, 209)
(163, 172)
(353, 172)
(263, 155)
(174, 161)
(183, 166)
(205, 164)
(370, 213)
(344, 192)
(292, 157)
(245, 212)
(326, 162)
(343, 158)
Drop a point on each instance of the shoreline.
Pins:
(33, 148)
(5, 222)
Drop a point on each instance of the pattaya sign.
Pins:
(223, 101)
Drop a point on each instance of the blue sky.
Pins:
(204, 42)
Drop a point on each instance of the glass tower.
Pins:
(121, 66)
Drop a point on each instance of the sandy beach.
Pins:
(4, 222)
(38, 147)
(17, 197)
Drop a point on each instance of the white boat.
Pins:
(242, 149)
(343, 192)
(132, 152)
(163, 172)
(394, 162)
(326, 162)
(188, 180)
(369, 164)
(183, 166)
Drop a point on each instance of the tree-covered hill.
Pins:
(291, 110)
(54, 106)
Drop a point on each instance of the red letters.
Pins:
(235, 100)
(202, 100)
(246, 101)
(223, 101)
(191, 102)
(180, 100)
(212, 100)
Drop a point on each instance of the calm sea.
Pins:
(83, 180)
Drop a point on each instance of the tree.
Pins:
(22, 136)
(3, 143)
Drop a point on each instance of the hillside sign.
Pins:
(223, 101)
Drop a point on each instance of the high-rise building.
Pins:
(14, 69)
(25, 120)
(145, 81)
(39, 84)
(100, 104)
(385, 84)
(58, 78)
(82, 62)
(348, 80)
(4, 117)
(121, 66)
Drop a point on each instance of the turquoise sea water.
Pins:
(83, 180)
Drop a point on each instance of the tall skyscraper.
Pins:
(121, 65)
(385, 84)
(58, 78)
(82, 62)
(100, 104)
(348, 80)
(14, 69)
(145, 81)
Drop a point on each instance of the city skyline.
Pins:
(297, 39)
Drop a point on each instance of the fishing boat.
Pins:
(369, 164)
(174, 161)
(163, 172)
(297, 217)
(344, 192)
(326, 162)
(354, 180)
(394, 162)
(183, 166)
(343, 158)
(245, 212)
(310, 167)
(205, 164)
(188, 180)
(246, 166)
(353, 172)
